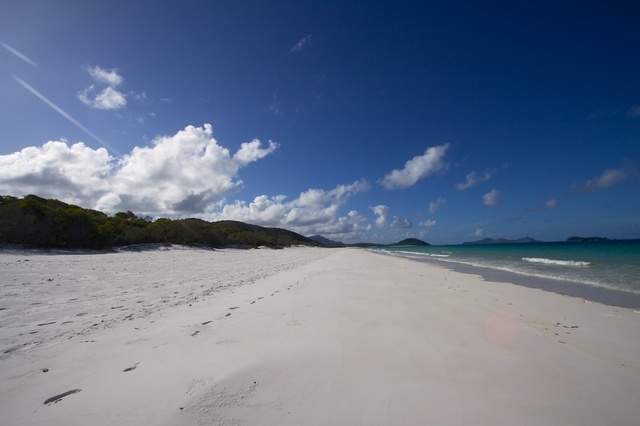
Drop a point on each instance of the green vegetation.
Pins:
(37, 222)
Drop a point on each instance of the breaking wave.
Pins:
(555, 261)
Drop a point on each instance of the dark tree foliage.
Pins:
(37, 222)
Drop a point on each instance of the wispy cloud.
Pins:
(417, 168)
(399, 222)
(301, 44)
(492, 198)
(435, 205)
(608, 178)
(106, 98)
(474, 179)
(428, 223)
(548, 205)
(634, 111)
(18, 54)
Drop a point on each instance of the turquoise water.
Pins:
(614, 265)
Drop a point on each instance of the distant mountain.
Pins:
(405, 242)
(411, 242)
(581, 239)
(326, 242)
(522, 240)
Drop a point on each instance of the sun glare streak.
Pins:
(64, 114)
(18, 54)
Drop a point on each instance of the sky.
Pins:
(361, 121)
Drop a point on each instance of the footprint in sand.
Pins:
(133, 367)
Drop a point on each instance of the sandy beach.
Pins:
(301, 336)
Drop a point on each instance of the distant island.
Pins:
(584, 239)
(410, 242)
(405, 242)
(522, 240)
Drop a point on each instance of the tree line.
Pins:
(33, 221)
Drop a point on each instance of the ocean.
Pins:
(603, 271)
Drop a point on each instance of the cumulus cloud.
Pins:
(382, 213)
(417, 168)
(435, 205)
(608, 178)
(56, 170)
(179, 174)
(301, 44)
(313, 211)
(107, 98)
(474, 179)
(384, 219)
(103, 97)
(491, 198)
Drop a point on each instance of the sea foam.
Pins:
(555, 261)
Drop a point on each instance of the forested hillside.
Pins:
(33, 221)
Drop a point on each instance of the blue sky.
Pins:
(360, 121)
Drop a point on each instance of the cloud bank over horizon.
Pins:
(178, 174)
(188, 173)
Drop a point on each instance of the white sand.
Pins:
(314, 337)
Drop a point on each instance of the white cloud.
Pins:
(435, 205)
(417, 168)
(180, 174)
(399, 222)
(56, 170)
(608, 178)
(315, 211)
(107, 97)
(301, 44)
(428, 223)
(188, 173)
(382, 212)
(491, 198)
(478, 232)
(109, 77)
(474, 179)
(253, 151)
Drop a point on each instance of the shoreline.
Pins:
(315, 336)
(589, 292)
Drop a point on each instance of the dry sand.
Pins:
(301, 336)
